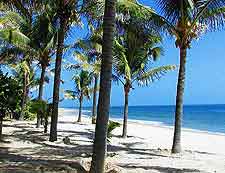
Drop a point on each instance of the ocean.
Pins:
(209, 118)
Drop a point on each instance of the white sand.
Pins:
(147, 149)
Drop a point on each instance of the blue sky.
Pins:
(205, 78)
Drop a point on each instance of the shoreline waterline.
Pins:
(159, 124)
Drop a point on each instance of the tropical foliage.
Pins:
(187, 21)
(88, 54)
(82, 89)
(10, 97)
(123, 40)
(134, 48)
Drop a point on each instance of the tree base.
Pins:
(176, 149)
(124, 136)
(93, 120)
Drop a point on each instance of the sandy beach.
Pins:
(147, 148)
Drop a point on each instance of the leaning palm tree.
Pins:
(82, 89)
(132, 52)
(187, 20)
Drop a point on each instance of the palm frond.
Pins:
(69, 94)
(154, 74)
(14, 36)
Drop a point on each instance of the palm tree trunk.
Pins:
(58, 64)
(49, 113)
(24, 97)
(94, 107)
(126, 94)
(1, 120)
(176, 148)
(100, 142)
(80, 108)
(40, 94)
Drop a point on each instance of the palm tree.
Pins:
(100, 141)
(88, 63)
(88, 54)
(16, 32)
(66, 12)
(132, 52)
(37, 43)
(82, 89)
(187, 20)
(43, 41)
(10, 95)
(24, 74)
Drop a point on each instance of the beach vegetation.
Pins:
(82, 83)
(187, 21)
(10, 97)
(123, 43)
(88, 54)
(135, 50)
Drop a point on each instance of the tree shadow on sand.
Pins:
(130, 149)
(46, 156)
(14, 163)
(162, 169)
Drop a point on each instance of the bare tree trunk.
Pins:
(40, 94)
(49, 113)
(94, 107)
(80, 108)
(58, 64)
(100, 141)
(126, 95)
(24, 98)
(1, 120)
(176, 148)
(46, 124)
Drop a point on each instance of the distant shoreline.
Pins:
(203, 104)
(149, 123)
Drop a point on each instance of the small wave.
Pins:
(217, 110)
(147, 122)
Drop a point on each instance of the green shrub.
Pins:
(33, 107)
(111, 126)
(38, 106)
(29, 116)
(10, 94)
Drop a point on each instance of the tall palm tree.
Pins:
(37, 43)
(82, 89)
(17, 34)
(66, 12)
(132, 52)
(86, 62)
(24, 74)
(100, 141)
(187, 20)
(43, 41)
(88, 54)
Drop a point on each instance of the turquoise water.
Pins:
(200, 117)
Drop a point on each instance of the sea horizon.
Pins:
(203, 117)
